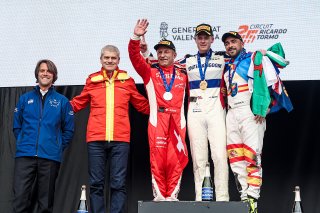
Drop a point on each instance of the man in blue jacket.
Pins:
(43, 127)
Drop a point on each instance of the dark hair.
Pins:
(51, 68)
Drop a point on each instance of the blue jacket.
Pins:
(43, 130)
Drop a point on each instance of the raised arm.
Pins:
(137, 60)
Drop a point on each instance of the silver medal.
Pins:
(167, 96)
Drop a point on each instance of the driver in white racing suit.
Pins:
(206, 113)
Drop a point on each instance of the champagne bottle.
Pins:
(297, 207)
(83, 207)
(207, 187)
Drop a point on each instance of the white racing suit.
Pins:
(244, 136)
(206, 122)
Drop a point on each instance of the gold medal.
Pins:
(203, 85)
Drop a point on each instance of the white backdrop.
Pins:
(72, 33)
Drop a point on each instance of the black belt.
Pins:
(161, 109)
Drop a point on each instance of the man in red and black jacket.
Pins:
(109, 92)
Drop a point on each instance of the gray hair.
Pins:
(110, 48)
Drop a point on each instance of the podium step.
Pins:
(191, 207)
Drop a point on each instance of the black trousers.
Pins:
(28, 170)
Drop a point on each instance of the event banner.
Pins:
(72, 33)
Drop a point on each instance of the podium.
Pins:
(191, 207)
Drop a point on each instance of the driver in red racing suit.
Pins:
(165, 84)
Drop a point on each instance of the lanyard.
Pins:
(235, 64)
(167, 86)
(203, 73)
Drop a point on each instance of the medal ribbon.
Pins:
(203, 73)
(234, 64)
(168, 87)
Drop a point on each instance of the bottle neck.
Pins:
(207, 174)
(83, 195)
(297, 196)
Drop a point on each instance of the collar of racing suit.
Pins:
(119, 75)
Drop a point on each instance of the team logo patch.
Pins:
(233, 154)
(54, 103)
(30, 101)
(203, 28)
(197, 110)
(165, 42)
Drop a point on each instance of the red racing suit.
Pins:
(167, 125)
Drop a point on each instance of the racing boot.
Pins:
(252, 204)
